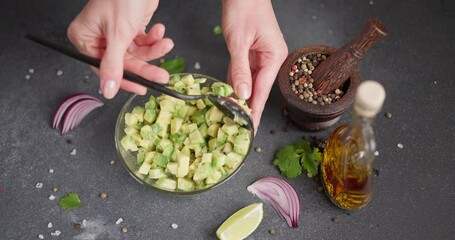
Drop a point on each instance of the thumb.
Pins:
(240, 74)
(111, 68)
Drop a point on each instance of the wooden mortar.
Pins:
(308, 116)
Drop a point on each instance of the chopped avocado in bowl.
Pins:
(177, 146)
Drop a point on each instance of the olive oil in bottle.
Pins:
(348, 157)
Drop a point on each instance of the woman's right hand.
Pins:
(114, 31)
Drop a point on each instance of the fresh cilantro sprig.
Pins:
(217, 30)
(69, 201)
(293, 159)
(173, 66)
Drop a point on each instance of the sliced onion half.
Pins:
(282, 196)
(73, 109)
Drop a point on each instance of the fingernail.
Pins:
(109, 88)
(242, 90)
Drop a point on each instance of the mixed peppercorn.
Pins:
(301, 80)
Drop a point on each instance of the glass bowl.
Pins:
(128, 158)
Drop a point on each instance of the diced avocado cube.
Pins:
(200, 104)
(207, 102)
(231, 139)
(151, 104)
(200, 80)
(166, 183)
(222, 89)
(147, 144)
(218, 159)
(185, 150)
(188, 128)
(214, 177)
(130, 130)
(196, 137)
(199, 116)
(181, 111)
(212, 131)
(167, 105)
(168, 151)
(164, 132)
(149, 157)
(227, 148)
(241, 144)
(233, 160)
(206, 157)
(172, 168)
(185, 184)
(202, 172)
(156, 173)
(164, 118)
(221, 136)
(193, 89)
(147, 132)
(178, 139)
(128, 143)
(214, 115)
(140, 156)
(150, 115)
(205, 90)
(180, 87)
(174, 79)
(203, 130)
(230, 128)
(176, 125)
(244, 131)
(213, 144)
(198, 152)
(175, 153)
(145, 168)
(130, 119)
(163, 143)
(191, 111)
(188, 79)
(160, 160)
(139, 113)
(183, 162)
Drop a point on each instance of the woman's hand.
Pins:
(114, 31)
(257, 50)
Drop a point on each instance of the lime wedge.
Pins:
(242, 223)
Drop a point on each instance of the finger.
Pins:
(262, 85)
(133, 87)
(111, 68)
(155, 34)
(152, 52)
(146, 70)
(240, 73)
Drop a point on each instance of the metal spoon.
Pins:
(226, 105)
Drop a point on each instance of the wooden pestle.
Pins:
(331, 73)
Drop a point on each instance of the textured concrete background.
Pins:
(414, 192)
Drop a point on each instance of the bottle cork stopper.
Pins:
(369, 98)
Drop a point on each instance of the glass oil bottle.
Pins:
(348, 157)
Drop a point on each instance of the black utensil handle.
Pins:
(96, 63)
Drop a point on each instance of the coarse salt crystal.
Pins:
(84, 223)
(371, 2)
(31, 70)
(40, 236)
(27, 77)
(197, 66)
(49, 225)
(400, 145)
(51, 170)
(119, 221)
(73, 152)
(376, 153)
(314, 17)
(174, 226)
(52, 197)
(59, 73)
(56, 233)
(39, 185)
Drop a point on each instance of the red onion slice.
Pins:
(282, 196)
(67, 103)
(76, 112)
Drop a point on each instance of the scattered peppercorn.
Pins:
(124, 229)
(285, 129)
(54, 189)
(272, 231)
(334, 219)
(388, 115)
(103, 195)
(69, 141)
(112, 162)
(272, 131)
(376, 172)
(258, 149)
(320, 189)
(77, 226)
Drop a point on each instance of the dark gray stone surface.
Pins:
(414, 192)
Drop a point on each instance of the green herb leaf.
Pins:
(69, 201)
(173, 66)
(287, 161)
(310, 162)
(303, 146)
(217, 30)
